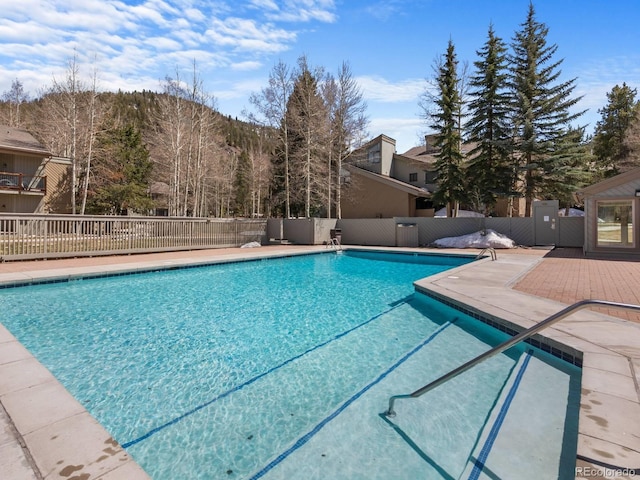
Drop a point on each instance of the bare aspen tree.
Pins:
(93, 107)
(201, 133)
(63, 111)
(260, 171)
(171, 137)
(329, 90)
(271, 104)
(259, 180)
(15, 97)
(186, 135)
(70, 90)
(348, 123)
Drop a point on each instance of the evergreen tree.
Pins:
(488, 170)
(133, 108)
(280, 183)
(569, 168)
(632, 144)
(307, 119)
(448, 138)
(609, 144)
(540, 107)
(124, 169)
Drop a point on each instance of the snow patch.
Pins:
(483, 239)
(251, 245)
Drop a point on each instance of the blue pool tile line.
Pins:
(479, 463)
(305, 438)
(153, 269)
(538, 342)
(256, 378)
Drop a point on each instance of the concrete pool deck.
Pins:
(46, 433)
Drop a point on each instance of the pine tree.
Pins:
(569, 168)
(488, 170)
(609, 144)
(540, 107)
(448, 138)
(632, 144)
(307, 120)
(124, 169)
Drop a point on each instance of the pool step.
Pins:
(430, 437)
(528, 434)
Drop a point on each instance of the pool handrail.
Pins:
(524, 335)
(491, 250)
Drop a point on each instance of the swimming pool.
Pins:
(240, 371)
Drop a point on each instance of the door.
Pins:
(545, 222)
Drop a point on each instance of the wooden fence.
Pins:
(34, 236)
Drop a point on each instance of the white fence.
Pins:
(33, 236)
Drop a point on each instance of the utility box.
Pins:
(406, 235)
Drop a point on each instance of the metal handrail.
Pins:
(505, 345)
(491, 250)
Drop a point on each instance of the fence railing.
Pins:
(33, 236)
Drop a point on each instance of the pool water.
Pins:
(268, 368)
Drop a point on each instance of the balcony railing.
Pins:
(20, 182)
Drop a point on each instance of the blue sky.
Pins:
(390, 45)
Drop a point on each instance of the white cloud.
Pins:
(23, 32)
(246, 66)
(194, 15)
(303, 11)
(189, 38)
(239, 90)
(142, 41)
(141, 35)
(265, 4)
(163, 43)
(597, 78)
(406, 131)
(247, 34)
(383, 10)
(378, 89)
(155, 11)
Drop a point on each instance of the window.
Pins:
(430, 177)
(615, 223)
(423, 203)
(373, 154)
(413, 177)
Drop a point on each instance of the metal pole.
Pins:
(505, 345)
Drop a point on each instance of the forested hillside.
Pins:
(505, 128)
(129, 146)
(173, 153)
